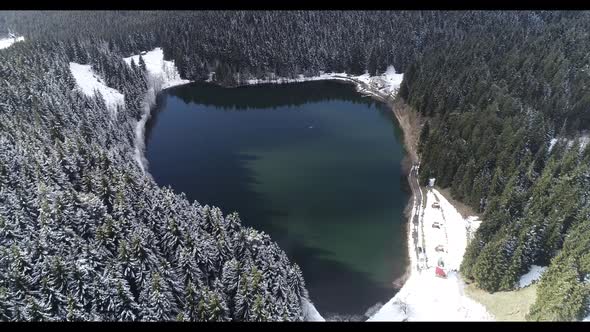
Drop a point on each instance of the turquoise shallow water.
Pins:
(315, 165)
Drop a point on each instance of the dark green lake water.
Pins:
(315, 165)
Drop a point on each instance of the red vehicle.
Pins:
(439, 272)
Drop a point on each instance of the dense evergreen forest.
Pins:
(505, 100)
(84, 235)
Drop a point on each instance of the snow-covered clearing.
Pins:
(425, 296)
(88, 82)
(534, 274)
(7, 42)
(386, 84)
(161, 75)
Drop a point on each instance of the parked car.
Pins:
(440, 272)
(436, 224)
(422, 260)
(439, 248)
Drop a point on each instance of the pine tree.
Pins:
(142, 64)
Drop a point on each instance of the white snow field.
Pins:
(425, 297)
(534, 274)
(7, 42)
(161, 75)
(88, 82)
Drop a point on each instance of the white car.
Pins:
(422, 260)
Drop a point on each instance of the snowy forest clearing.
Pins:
(425, 296)
(7, 42)
(89, 83)
(163, 74)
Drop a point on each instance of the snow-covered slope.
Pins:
(163, 73)
(310, 313)
(425, 297)
(7, 42)
(88, 82)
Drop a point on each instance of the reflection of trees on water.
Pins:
(153, 119)
(266, 95)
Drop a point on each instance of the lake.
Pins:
(315, 165)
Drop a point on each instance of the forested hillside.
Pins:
(246, 44)
(508, 118)
(84, 235)
(504, 95)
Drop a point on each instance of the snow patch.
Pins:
(584, 141)
(7, 42)
(534, 274)
(473, 224)
(88, 83)
(310, 313)
(552, 144)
